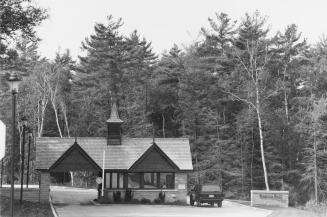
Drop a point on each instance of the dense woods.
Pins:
(252, 102)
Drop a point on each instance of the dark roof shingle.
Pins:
(49, 149)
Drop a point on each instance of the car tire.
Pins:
(220, 204)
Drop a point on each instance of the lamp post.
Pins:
(24, 121)
(13, 82)
(30, 134)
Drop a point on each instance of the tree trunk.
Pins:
(163, 125)
(315, 164)
(183, 128)
(72, 178)
(219, 154)
(261, 138)
(56, 115)
(64, 111)
(41, 122)
(286, 107)
(242, 169)
(251, 169)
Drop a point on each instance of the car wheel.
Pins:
(198, 204)
(220, 203)
(212, 204)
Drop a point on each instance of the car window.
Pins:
(210, 188)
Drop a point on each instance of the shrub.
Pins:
(128, 195)
(117, 196)
(145, 201)
(135, 201)
(176, 203)
(319, 209)
(103, 200)
(162, 196)
(157, 201)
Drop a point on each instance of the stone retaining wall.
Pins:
(29, 194)
(269, 198)
(40, 194)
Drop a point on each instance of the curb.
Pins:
(252, 207)
(54, 212)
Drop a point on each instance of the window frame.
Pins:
(119, 173)
(124, 185)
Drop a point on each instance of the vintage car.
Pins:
(207, 193)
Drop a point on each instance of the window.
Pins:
(107, 180)
(134, 180)
(167, 180)
(114, 180)
(121, 180)
(114, 183)
(150, 180)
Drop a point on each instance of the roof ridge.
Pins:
(89, 137)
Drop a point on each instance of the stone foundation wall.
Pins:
(269, 198)
(29, 194)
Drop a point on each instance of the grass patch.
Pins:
(27, 209)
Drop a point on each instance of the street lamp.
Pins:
(13, 83)
(30, 135)
(24, 121)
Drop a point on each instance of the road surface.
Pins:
(69, 202)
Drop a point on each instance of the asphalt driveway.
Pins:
(229, 209)
(73, 202)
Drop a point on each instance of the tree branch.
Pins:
(239, 98)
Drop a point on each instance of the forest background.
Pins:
(252, 102)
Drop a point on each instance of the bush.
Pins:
(128, 195)
(157, 201)
(103, 200)
(145, 201)
(176, 203)
(162, 196)
(117, 196)
(319, 209)
(135, 201)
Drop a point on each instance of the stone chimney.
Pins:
(114, 127)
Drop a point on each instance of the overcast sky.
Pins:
(165, 22)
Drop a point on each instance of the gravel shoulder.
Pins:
(281, 212)
(291, 212)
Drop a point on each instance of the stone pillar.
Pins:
(181, 187)
(44, 186)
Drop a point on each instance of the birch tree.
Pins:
(251, 53)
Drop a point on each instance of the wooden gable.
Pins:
(74, 159)
(153, 160)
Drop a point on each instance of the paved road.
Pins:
(229, 209)
(70, 202)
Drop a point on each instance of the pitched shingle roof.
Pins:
(49, 149)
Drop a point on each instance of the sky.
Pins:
(165, 22)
